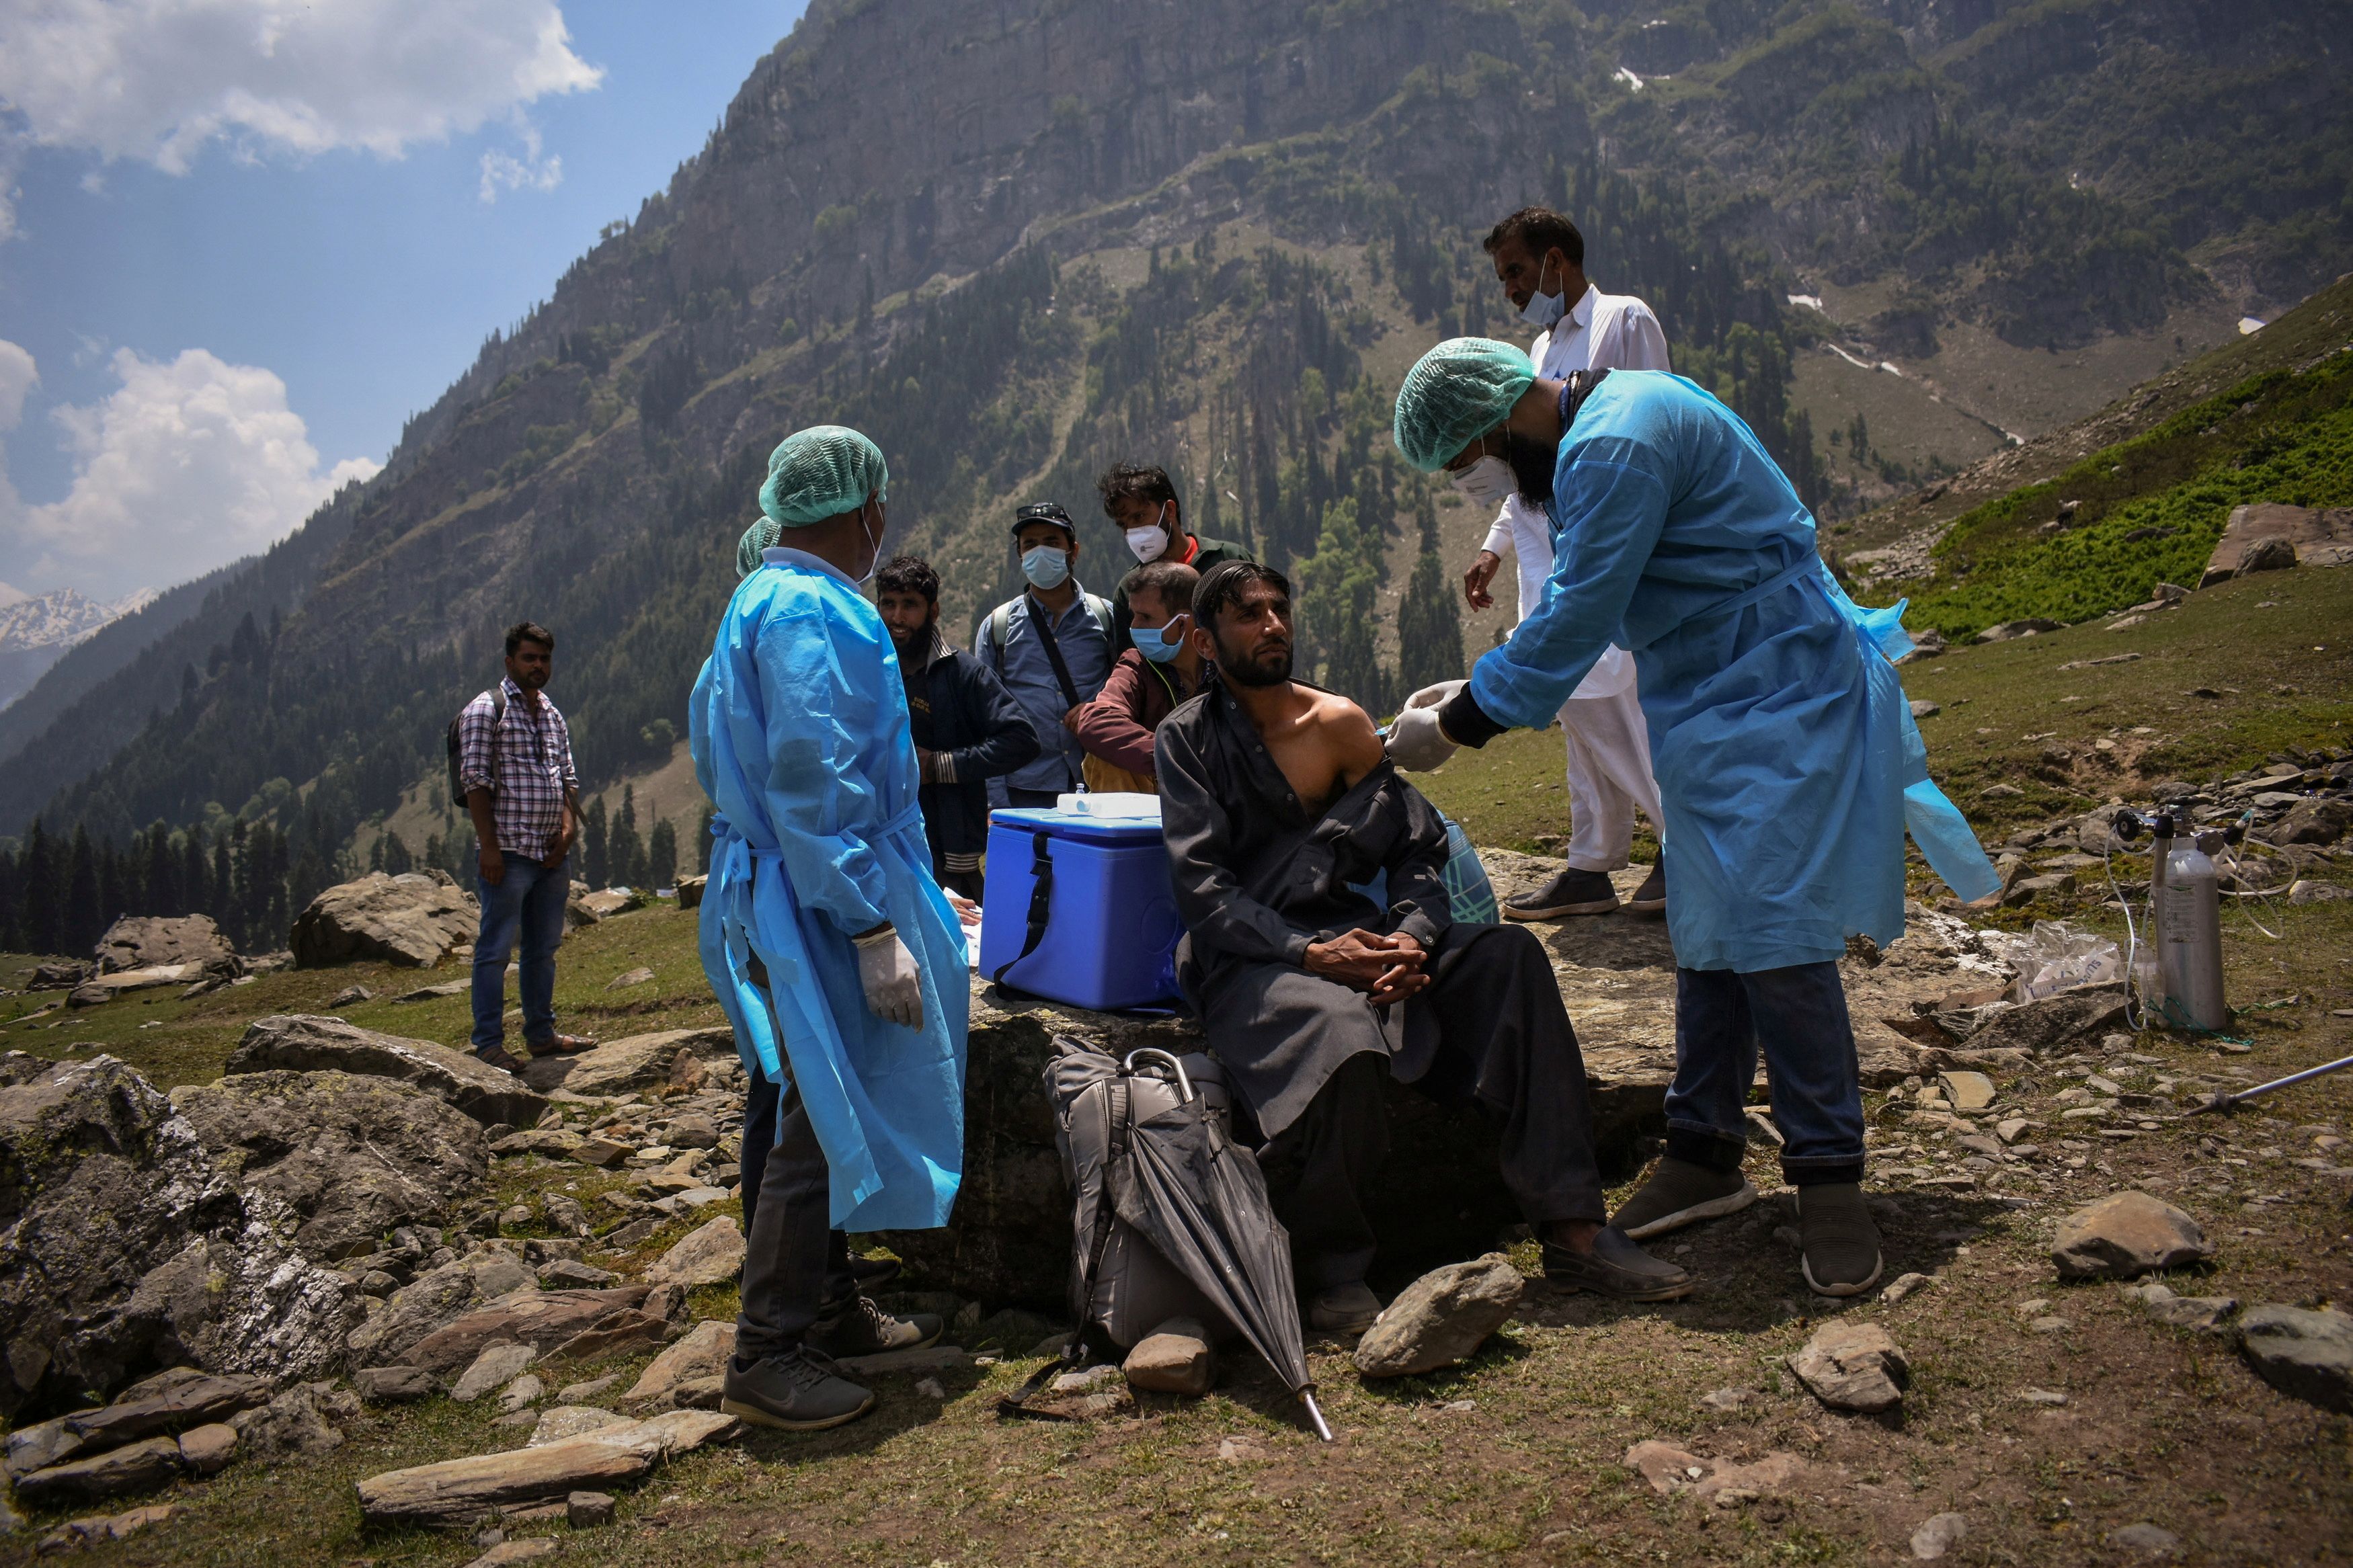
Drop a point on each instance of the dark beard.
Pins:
(1250, 672)
(1531, 467)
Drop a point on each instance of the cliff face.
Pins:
(933, 216)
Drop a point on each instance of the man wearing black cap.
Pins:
(1051, 646)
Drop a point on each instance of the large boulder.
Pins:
(413, 918)
(1441, 1317)
(150, 941)
(620, 1067)
(352, 1156)
(125, 1248)
(2305, 1354)
(299, 1042)
(2127, 1234)
(432, 1301)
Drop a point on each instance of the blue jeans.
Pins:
(528, 900)
(1798, 1016)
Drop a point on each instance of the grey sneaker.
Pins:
(1838, 1239)
(1344, 1308)
(862, 1328)
(1651, 898)
(1617, 1267)
(798, 1390)
(1573, 892)
(1679, 1194)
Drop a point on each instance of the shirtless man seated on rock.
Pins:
(1276, 797)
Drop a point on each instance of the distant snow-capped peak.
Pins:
(60, 617)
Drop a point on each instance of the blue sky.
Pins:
(417, 172)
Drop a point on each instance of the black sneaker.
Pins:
(873, 1273)
(1651, 898)
(861, 1328)
(798, 1390)
(1839, 1241)
(1680, 1193)
(498, 1056)
(1616, 1268)
(1573, 892)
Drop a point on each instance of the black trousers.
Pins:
(1505, 1041)
(796, 1265)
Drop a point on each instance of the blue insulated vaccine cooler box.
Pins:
(1110, 932)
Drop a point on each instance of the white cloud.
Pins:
(157, 80)
(187, 466)
(505, 171)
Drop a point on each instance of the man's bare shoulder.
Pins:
(1347, 730)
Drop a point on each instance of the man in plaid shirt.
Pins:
(521, 791)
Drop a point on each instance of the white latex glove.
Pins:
(1416, 744)
(893, 984)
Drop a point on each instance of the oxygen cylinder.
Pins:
(2190, 938)
(2147, 972)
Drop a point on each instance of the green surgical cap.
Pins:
(1455, 394)
(756, 538)
(821, 472)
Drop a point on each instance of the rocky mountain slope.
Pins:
(36, 630)
(1017, 242)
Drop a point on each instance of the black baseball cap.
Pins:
(1045, 511)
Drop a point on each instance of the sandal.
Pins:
(563, 1045)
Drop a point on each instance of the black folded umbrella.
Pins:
(1198, 1197)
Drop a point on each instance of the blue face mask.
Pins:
(1161, 644)
(1045, 565)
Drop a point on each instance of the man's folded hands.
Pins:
(1388, 968)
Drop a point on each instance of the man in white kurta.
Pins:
(1539, 259)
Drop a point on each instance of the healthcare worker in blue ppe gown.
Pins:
(833, 953)
(1787, 761)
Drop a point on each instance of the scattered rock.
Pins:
(1175, 1358)
(1441, 1317)
(431, 1302)
(496, 1363)
(703, 1353)
(2148, 1540)
(692, 1131)
(581, 1393)
(292, 1423)
(2307, 1355)
(1924, 709)
(2049, 1022)
(565, 1422)
(2050, 1396)
(1727, 1398)
(151, 942)
(395, 1385)
(2126, 1234)
(2312, 820)
(567, 1273)
(1969, 1092)
(689, 891)
(104, 1527)
(2006, 631)
(207, 1449)
(2207, 1314)
(128, 1248)
(414, 918)
(353, 1156)
(610, 901)
(1088, 1396)
(585, 1511)
(506, 1552)
(712, 1255)
(564, 1214)
(1902, 1285)
(637, 976)
(169, 1401)
(2304, 891)
(134, 1467)
(349, 997)
(548, 1320)
(1670, 1469)
(434, 993)
(463, 1491)
(2267, 555)
(1853, 1367)
(617, 1066)
(1939, 1534)
(303, 1043)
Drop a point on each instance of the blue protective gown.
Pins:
(801, 738)
(1786, 754)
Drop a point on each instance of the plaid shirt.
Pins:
(535, 771)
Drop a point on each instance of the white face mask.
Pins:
(1149, 543)
(874, 542)
(1546, 309)
(1487, 482)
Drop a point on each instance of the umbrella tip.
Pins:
(1307, 1398)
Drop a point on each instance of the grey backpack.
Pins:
(1118, 1279)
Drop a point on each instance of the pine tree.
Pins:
(595, 847)
(625, 855)
(1338, 587)
(85, 913)
(397, 858)
(1430, 625)
(662, 855)
(43, 878)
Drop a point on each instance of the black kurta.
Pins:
(1258, 879)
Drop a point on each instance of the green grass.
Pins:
(2282, 436)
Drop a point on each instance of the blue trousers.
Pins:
(1798, 1016)
(527, 904)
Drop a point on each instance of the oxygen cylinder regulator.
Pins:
(2181, 980)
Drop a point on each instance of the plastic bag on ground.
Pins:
(2059, 955)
